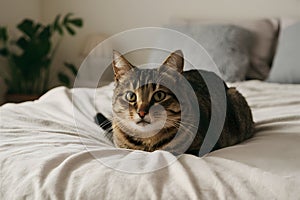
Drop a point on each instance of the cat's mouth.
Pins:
(143, 122)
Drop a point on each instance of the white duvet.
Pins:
(52, 149)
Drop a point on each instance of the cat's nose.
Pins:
(142, 110)
(142, 114)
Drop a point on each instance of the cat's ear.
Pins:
(175, 61)
(120, 65)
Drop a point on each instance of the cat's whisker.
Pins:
(184, 123)
(179, 125)
(105, 123)
(185, 130)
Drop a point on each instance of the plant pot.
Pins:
(17, 98)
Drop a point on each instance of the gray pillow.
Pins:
(228, 45)
(286, 65)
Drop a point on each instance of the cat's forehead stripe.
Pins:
(141, 78)
(147, 77)
(131, 85)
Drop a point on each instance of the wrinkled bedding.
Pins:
(51, 148)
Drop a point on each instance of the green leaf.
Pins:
(70, 24)
(71, 67)
(4, 52)
(37, 27)
(22, 43)
(56, 26)
(70, 30)
(45, 34)
(27, 27)
(3, 34)
(64, 79)
(56, 21)
(76, 22)
(66, 18)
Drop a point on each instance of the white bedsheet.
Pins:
(52, 149)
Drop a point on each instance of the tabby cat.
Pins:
(154, 108)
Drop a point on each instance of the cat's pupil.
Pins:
(130, 96)
(159, 96)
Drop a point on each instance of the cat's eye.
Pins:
(159, 96)
(130, 96)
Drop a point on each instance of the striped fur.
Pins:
(148, 114)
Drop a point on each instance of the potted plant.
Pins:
(31, 54)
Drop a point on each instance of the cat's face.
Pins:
(142, 104)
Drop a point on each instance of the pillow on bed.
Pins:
(265, 33)
(286, 65)
(228, 45)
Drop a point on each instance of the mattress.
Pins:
(52, 148)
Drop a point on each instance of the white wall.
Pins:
(11, 13)
(113, 16)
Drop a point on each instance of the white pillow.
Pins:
(263, 47)
(228, 48)
(286, 65)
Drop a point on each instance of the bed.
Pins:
(52, 148)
